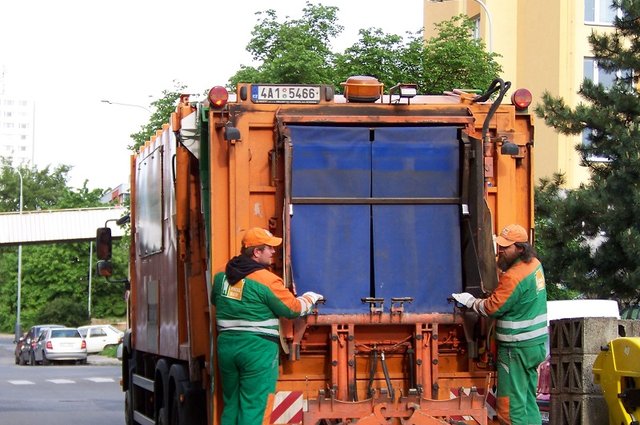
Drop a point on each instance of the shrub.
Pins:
(65, 312)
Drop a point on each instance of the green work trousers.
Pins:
(517, 384)
(248, 366)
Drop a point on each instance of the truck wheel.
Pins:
(162, 414)
(128, 412)
(175, 410)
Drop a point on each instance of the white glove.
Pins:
(313, 297)
(307, 301)
(465, 299)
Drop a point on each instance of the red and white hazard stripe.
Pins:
(490, 404)
(287, 408)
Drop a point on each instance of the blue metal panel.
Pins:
(331, 244)
(330, 254)
(416, 162)
(417, 254)
(331, 161)
(416, 247)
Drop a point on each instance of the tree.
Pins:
(554, 205)
(454, 59)
(50, 271)
(603, 213)
(295, 51)
(375, 54)
(163, 107)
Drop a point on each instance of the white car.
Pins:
(99, 336)
(59, 344)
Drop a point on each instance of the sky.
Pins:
(68, 55)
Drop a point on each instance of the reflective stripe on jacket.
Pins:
(519, 303)
(253, 304)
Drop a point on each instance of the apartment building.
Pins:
(17, 122)
(543, 46)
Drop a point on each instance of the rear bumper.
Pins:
(71, 355)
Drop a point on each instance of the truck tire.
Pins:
(161, 391)
(192, 409)
(128, 366)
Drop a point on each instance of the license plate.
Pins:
(285, 94)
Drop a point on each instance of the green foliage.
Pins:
(454, 59)
(41, 189)
(563, 252)
(64, 311)
(376, 54)
(297, 51)
(604, 212)
(52, 271)
(163, 107)
(110, 351)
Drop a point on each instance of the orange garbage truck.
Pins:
(387, 203)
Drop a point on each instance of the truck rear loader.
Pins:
(387, 203)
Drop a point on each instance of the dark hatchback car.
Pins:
(25, 345)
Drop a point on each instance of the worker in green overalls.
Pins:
(519, 305)
(249, 299)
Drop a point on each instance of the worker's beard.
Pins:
(504, 263)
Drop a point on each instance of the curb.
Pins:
(97, 360)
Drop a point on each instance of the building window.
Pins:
(599, 12)
(586, 144)
(607, 78)
(476, 27)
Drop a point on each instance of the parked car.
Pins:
(99, 336)
(57, 344)
(25, 344)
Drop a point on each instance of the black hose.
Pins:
(503, 87)
(411, 359)
(354, 384)
(372, 371)
(386, 376)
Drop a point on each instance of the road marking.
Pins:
(100, 379)
(61, 381)
(18, 382)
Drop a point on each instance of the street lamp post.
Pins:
(125, 104)
(490, 25)
(18, 332)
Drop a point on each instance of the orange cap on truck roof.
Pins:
(511, 234)
(258, 236)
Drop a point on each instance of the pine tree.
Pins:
(599, 222)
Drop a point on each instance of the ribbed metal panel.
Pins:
(57, 225)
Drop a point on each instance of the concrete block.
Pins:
(573, 374)
(578, 409)
(629, 327)
(582, 335)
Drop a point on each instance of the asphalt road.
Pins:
(59, 394)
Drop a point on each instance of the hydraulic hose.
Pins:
(496, 85)
(386, 376)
